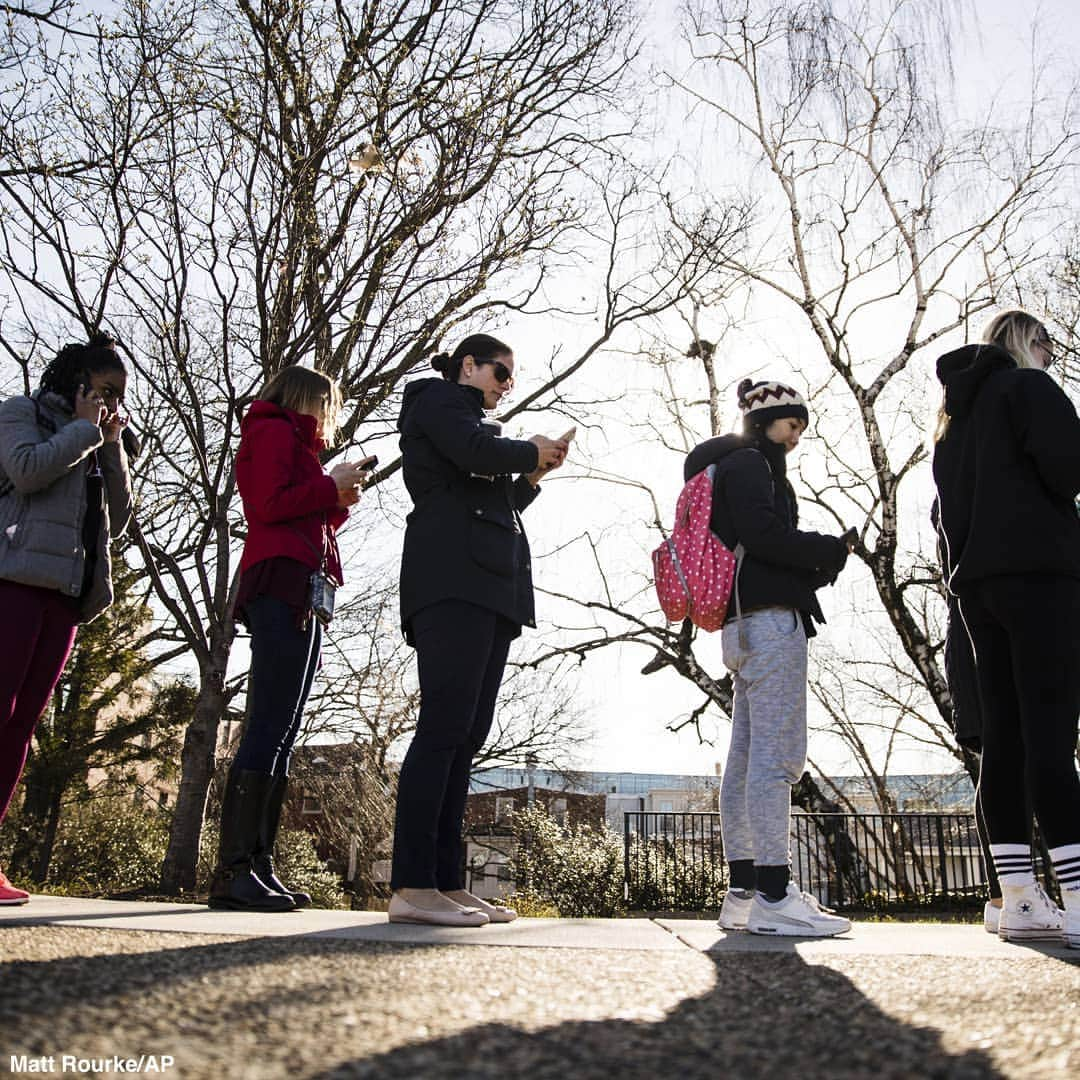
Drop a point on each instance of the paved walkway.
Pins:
(955, 940)
(131, 988)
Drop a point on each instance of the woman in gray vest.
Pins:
(65, 494)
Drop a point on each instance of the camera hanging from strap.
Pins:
(322, 588)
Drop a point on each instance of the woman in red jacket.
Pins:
(293, 510)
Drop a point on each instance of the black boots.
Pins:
(262, 862)
(236, 886)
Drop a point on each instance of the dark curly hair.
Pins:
(75, 363)
(481, 347)
(69, 369)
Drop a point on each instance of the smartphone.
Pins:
(568, 437)
(370, 464)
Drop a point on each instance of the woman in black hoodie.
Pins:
(765, 648)
(1007, 469)
(466, 591)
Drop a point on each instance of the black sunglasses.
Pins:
(501, 372)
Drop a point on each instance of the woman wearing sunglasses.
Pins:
(466, 592)
(1007, 469)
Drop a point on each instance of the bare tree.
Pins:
(345, 186)
(23, 23)
(883, 230)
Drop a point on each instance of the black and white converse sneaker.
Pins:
(1028, 914)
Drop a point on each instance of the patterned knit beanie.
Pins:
(763, 402)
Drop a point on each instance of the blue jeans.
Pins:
(461, 653)
(283, 663)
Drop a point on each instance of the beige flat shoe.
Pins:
(401, 911)
(499, 913)
(496, 913)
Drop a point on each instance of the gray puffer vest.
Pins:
(43, 472)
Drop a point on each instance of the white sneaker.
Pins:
(735, 909)
(991, 917)
(1072, 929)
(1072, 918)
(798, 915)
(1028, 914)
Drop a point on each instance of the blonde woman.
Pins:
(293, 510)
(1007, 469)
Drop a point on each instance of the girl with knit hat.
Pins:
(765, 647)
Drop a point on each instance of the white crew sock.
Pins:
(1013, 865)
(1066, 860)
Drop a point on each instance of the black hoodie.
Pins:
(1007, 469)
(463, 538)
(754, 504)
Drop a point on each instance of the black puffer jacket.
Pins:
(1007, 470)
(464, 539)
(754, 504)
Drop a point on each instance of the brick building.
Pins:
(484, 809)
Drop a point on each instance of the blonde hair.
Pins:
(941, 423)
(306, 391)
(1015, 331)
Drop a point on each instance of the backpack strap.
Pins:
(740, 556)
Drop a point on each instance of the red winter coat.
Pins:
(287, 495)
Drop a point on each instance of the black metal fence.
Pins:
(675, 862)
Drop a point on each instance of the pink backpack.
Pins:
(693, 571)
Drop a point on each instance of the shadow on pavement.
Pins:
(770, 1015)
(33, 990)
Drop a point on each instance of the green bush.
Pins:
(299, 866)
(106, 846)
(7, 835)
(578, 869)
(530, 905)
(665, 876)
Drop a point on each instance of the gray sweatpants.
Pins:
(766, 654)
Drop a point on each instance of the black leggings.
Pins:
(284, 659)
(461, 652)
(1026, 633)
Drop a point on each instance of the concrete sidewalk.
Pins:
(956, 940)
(115, 989)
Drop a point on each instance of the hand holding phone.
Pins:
(88, 404)
(567, 438)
